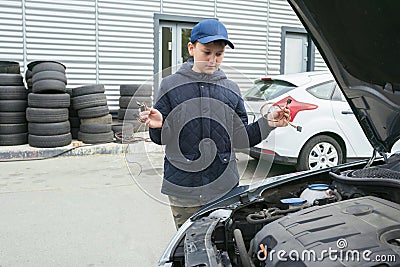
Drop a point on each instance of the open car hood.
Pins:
(360, 43)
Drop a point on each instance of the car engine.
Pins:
(346, 217)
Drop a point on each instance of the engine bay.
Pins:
(336, 218)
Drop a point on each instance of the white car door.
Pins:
(360, 146)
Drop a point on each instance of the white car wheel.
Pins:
(320, 152)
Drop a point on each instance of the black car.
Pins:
(348, 215)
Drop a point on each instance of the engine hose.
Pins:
(257, 218)
(244, 257)
(337, 195)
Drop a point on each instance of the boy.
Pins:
(200, 117)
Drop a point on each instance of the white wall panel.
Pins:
(195, 8)
(11, 34)
(126, 40)
(281, 14)
(63, 31)
(246, 22)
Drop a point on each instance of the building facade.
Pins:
(131, 41)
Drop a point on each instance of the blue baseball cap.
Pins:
(209, 30)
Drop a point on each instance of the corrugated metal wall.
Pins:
(247, 24)
(11, 34)
(126, 40)
(281, 14)
(195, 8)
(64, 31)
(108, 42)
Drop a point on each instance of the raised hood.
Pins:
(360, 42)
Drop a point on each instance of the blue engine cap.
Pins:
(293, 201)
(319, 187)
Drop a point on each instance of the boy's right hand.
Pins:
(151, 117)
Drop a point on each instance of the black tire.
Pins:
(13, 105)
(38, 66)
(55, 128)
(13, 139)
(88, 89)
(13, 128)
(131, 102)
(123, 131)
(10, 67)
(29, 84)
(11, 79)
(136, 90)
(12, 117)
(106, 119)
(28, 75)
(120, 127)
(95, 128)
(49, 86)
(88, 101)
(46, 115)
(50, 140)
(93, 112)
(75, 122)
(49, 75)
(128, 114)
(326, 151)
(69, 91)
(98, 138)
(49, 100)
(73, 112)
(74, 133)
(13, 93)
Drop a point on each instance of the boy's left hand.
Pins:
(279, 117)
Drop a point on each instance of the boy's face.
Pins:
(207, 57)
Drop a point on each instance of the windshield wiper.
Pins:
(254, 98)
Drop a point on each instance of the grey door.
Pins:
(295, 50)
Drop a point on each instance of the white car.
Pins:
(347, 215)
(328, 133)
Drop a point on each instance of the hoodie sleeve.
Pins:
(160, 135)
(248, 135)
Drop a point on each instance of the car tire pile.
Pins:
(13, 103)
(130, 96)
(90, 102)
(73, 118)
(47, 112)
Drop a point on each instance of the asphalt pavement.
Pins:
(89, 206)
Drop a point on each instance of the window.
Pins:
(266, 90)
(323, 91)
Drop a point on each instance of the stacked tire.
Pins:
(131, 95)
(73, 118)
(90, 102)
(28, 80)
(48, 104)
(13, 103)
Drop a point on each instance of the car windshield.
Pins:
(266, 90)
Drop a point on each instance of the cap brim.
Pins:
(209, 39)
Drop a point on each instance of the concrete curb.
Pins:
(26, 152)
